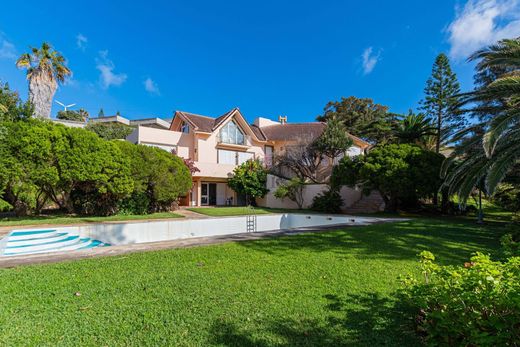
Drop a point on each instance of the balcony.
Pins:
(226, 141)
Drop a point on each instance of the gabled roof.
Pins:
(277, 132)
(293, 131)
(199, 122)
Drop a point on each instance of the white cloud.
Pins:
(369, 60)
(7, 49)
(483, 22)
(106, 68)
(151, 86)
(81, 41)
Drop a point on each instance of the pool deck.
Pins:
(14, 261)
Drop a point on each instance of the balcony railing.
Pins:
(228, 141)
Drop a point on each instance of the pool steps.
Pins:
(44, 241)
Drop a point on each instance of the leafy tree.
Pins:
(334, 140)
(293, 190)
(414, 129)
(93, 173)
(441, 101)
(12, 108)
(110, 131)
(401, 173)
(361, 117)
(27, 164)
(249, 179)
(159, 178)
(79, 116)
(45, 69)
(303, 160)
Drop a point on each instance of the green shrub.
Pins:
(402, 174)
(329, 201)
(474, 305)
(293, 190)
(159, 178)
(81, 173)
(249, 179)
(511, 241)
(110, 131)
(507, 196)
(137, 203)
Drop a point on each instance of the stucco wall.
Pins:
(349, 195)
(163, 138)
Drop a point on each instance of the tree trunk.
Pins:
(438, 148)
(41, 93)
(445, 200)
(390, 203)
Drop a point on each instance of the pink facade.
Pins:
(218, 145)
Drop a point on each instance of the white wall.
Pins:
(154, 231)
(349, 195)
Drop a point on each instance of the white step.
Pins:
(41, 247)
(78, 245)
(36, 241)
(30, 234)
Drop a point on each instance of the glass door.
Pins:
(204, 198)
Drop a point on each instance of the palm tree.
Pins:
(488, 150)
(45, 69)
(414, 129)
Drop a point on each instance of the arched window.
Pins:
(231, 133)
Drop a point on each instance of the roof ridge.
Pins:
(195, 114)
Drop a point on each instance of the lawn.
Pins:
(60, 219)
(241, 210)
(335, 288)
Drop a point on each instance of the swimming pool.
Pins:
(70, 238)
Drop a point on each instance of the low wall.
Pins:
(349, 195)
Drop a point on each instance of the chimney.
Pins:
(282, 119)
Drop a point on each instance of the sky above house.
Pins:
(269, 58)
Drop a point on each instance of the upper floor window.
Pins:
(231, 133)
(185, 128)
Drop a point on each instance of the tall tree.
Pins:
(414, 129)
(491, 148)
(45, 69)
(362, 117)
(334, 140)
(101, 113)
(441, 100)
(12, 108)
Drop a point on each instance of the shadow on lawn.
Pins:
(356, 320)
(451, 240)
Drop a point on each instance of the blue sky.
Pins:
(266, 57)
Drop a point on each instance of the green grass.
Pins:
(241, 210)
(60, 219)
(335, 288)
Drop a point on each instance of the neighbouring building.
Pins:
(219, 144)
(153, 122)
